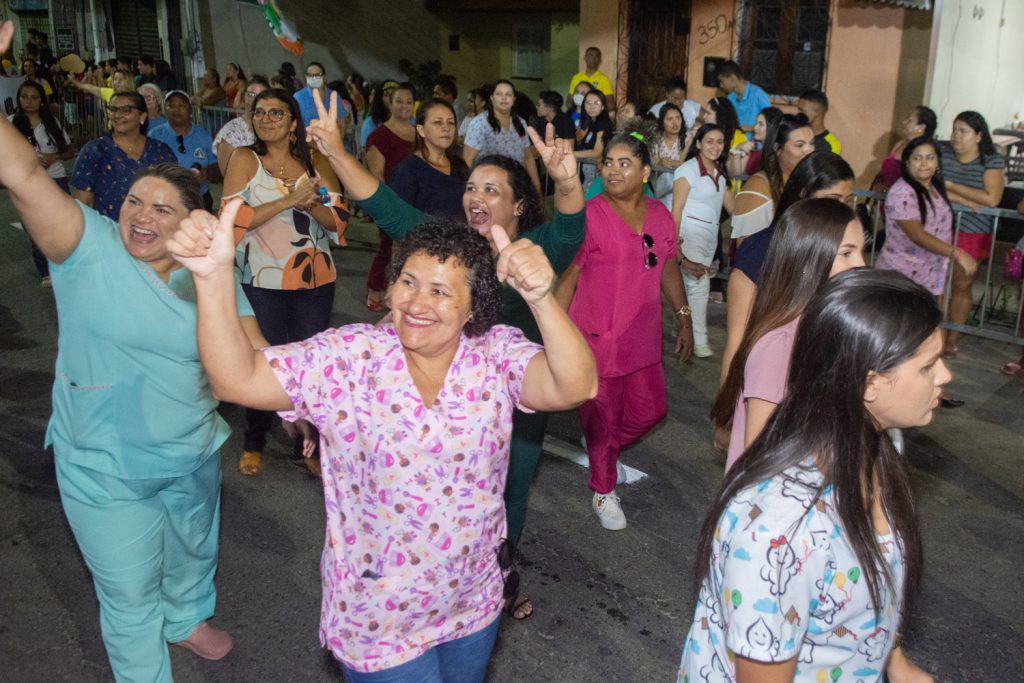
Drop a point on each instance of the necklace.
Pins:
(129, 148)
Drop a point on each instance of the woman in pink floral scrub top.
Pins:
(415, 417)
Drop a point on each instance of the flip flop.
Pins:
(517, 606)
(1012, 369)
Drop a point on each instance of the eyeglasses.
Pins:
(509, 576)
(273, 115)
(181, 143)
(650, 258)
(313, 75)
(250, 94)
(126, 109)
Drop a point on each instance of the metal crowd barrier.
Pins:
(214, 118)
(996, 287)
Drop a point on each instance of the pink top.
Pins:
(764, 377)
(617, 305)
(413, 493)
(902, 255)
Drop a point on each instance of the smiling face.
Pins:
(906, 395)
(430, 304)
(623, 172)
(711, 146)
(152, 102)
(267, 129)
(402, 103)
(125, 117)
(150, 214)
(503, 97)
(851, 251)
(438, 128)
(799, 145)
(489, 200)
(923, 163)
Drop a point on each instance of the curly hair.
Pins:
(444, 239)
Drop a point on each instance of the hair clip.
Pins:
(637, 135)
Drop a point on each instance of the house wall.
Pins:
(485, 51)
(979, 50)
(876, 66)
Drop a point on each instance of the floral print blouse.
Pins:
(415, 513)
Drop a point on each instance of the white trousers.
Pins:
(698, 291)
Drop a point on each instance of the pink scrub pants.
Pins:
(625, 409)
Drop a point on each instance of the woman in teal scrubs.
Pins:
(134, 429)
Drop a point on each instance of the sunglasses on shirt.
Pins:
(650, 258)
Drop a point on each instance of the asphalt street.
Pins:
(608, 605)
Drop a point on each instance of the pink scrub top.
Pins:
(617, 305)
(413, 493)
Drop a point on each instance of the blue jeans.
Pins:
(457, 661)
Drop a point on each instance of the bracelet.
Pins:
(685, 310)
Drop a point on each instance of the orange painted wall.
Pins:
(599, 26)
(876, 68)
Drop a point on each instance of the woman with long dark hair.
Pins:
(378, 111)
(388, 145)
(811, 548)
(595, 128)
(815, 239)
(433, 177)
(631, 249)
(283, 245)
(787, 142)
(700, 190)
(36, 122)
(745, 158)
(501, 132)
(975, 177)
(919, 221)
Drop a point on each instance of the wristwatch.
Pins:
(685, 310)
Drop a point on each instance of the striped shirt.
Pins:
(971, 174)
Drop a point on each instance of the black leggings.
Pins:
(284, 316)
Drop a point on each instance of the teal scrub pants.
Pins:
(151, 545)
(524, 455)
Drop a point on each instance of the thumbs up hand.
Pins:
(204, 243)
(524, 266)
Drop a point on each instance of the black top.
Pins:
(752, 251)
(597, 127)
(428, 189)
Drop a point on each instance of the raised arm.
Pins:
(86, 87)
(558, 159)
(564, 374)
(326, 134)
(237, 371)
(50, 216)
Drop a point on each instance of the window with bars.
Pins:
(782, 44)
(528, 47)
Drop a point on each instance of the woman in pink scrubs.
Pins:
(628, 259)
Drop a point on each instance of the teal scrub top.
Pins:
(130, 397)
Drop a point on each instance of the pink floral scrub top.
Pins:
(413, 493)
(899, 253)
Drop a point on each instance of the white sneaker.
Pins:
(609, 511)
(620, 473)
(703, 351)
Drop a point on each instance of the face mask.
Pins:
(577, 100)
(314, 81)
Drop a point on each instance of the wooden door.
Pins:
(659, 32)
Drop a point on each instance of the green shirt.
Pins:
(560, 239)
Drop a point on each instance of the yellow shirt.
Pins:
(738, 136)
(598, 80)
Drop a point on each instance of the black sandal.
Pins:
(515, 605)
